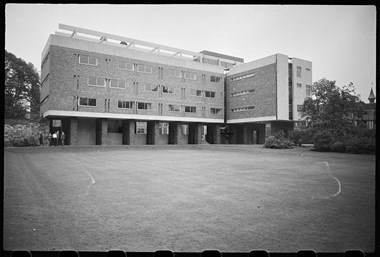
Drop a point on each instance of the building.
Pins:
(106, 89)
(368, 119)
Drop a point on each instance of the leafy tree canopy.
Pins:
(22, 87)
(332, 106)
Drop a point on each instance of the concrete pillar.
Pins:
(101, 131)
(128, 129)
(198, 128)
(73, 136)
(153, 133)
(268, 129)
(245, 130)
(175, 133)
(104, 127)
(213, 134)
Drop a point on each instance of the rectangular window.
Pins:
(144, 68)
(118, 84)
(166, 89)
(84, 101)
(163, 128)
(215, 110)
(308, 69)
(308, 90)
(124, 104)
(190, 75)
(210, 94)
(89, 60)
(240, 93)
(243, 109)
(243, 77)
(150, 87)
(93, 81)
(126, 66)
(215, 79)
(141, 127)
(298, 71)
(190, 109)
(144, 106)
(195, 92)
(299, 85)
(174, 108)
(175, 73)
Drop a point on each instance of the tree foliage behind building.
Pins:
(332, 115)
(22, 88)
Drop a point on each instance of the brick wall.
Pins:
(263, 98)
(69, 80)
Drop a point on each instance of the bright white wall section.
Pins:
(282, 87)
(299, 93)
(252, 65)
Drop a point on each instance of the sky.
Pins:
(340, 41)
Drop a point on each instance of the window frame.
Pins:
(190, 73)
(145, 106)
(97, 78)
(174, 76)
(191, 108)
(145, 68)
(170, 89)
(173, 109)
(88, 62)
(125, 65)
(215, 111)
(88, 101)
(216, 79)
(122, 104)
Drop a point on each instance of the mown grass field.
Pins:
(188, 199)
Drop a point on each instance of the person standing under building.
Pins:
(50, 139)
(40, 138)
(62, 138)
(55, 138)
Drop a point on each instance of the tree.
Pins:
(22, 87)
(331, 106)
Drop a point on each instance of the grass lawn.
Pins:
(188, 199)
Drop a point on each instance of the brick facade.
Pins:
(134, 86)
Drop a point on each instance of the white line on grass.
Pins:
(328, 169)
(91, 177)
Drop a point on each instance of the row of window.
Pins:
(85, 101)
(93, 81)
(242, 77)
(163, 128)
(123, 65)
(240, 93)
(243, 109)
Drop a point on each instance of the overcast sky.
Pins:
(339, 40)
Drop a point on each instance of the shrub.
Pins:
(338, 146)
(323, 140)
(300, 137)
(278, 141)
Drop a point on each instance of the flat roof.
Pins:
(224, 56)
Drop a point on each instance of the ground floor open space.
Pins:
(233, 198)
(102, 131)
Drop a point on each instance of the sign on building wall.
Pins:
(141, 127)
